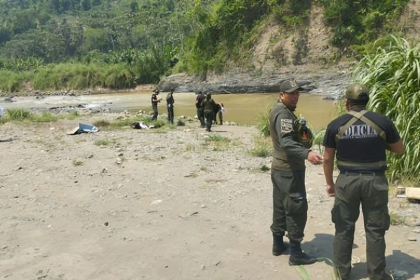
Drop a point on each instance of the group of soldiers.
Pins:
(207, 109)
(356, 142)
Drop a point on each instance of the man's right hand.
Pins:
(314, 158)
(331, 190)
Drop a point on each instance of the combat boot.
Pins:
(297, 257)
(278, 245)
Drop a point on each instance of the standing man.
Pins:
(208, 107)
(290, 205)
(170, 105)
(200, 111)
(155, 100)
(218, 112)
(359, 140)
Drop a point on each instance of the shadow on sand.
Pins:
(403, 266)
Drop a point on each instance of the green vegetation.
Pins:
(393, 76)
(104, 142)
(318, 139)
(71, 44)
(77, 162)
(216, 138)
(396, 219)
(124, 122)
(263, 123)
(17, 115)
(101, 42)
(263, 147)
(303, 273)
(180, 122)
(356, 24)
(45, 116)
(219, 143)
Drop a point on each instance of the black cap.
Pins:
(289, 86)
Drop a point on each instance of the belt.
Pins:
(352, 173)
(367, 165)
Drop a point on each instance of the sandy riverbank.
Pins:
(149, 204)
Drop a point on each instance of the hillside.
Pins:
(276, 47)
(120, 44)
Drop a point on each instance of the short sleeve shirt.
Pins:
(361, 143)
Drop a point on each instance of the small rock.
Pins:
(154, 202)
(398, 274)
(411, 238)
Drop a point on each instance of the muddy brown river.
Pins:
(244, 109)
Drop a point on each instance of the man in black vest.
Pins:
(359, 139)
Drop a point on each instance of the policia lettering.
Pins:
(367, 130)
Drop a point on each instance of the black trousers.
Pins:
(370, 191)
(290, 207)
(209, 119)
(155, 112)
(200, 116)
(170, 113)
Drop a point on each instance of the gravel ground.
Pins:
(160, 204)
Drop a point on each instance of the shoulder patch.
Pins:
(286, 125)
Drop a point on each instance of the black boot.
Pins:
(297, 257)
(278, 245)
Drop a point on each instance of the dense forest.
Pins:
(118, 44)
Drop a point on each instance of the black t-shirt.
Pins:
(170, 99)
(361, 143)
(154, 99)
(199, 100)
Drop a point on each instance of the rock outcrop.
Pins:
(326, 82)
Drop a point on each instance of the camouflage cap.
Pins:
(357, 92)
(289, 86)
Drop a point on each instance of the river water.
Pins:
(243, 109)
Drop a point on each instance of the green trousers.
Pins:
(290, 207)
(371, 192)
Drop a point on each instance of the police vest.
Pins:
(359, 116)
